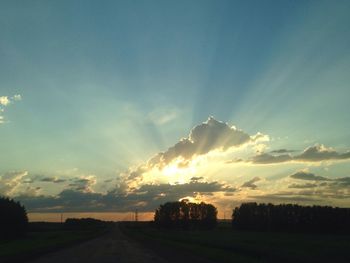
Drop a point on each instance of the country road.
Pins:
(112, 247)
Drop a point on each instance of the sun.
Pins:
(171, 170)
(177, 173)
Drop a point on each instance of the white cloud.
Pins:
(17, 97)
(204, 138)
(4, 100)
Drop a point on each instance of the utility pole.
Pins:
(136, 215)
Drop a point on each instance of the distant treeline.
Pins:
(84, 223)
(13, 219)
(186, 215)
(289, 217)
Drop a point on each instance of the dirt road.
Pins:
(112, 247)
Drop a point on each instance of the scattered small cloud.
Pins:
(6, 101)
(52, 180)
(304, 175)
(251, 183)
(83, 183)
(283, 151)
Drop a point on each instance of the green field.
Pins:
(224, 244)
(43, 238)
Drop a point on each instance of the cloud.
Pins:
(52, 180)
(17, 97)
(145, 198)
(266, 158)
(196, 178)
(83, 183)
(316, 153)
(10, 181)
(304, 175)
(251, 183)
(208, 136)
(344, 181)
(282, 151)
(302, 186)
(320, 153)
(4, 101)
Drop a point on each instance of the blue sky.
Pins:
(106, 85)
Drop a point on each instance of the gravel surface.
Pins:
(112, 247)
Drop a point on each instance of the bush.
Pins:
(186, 215)
(13, 218)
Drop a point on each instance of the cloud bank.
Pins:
(316, 153)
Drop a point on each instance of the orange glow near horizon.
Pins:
(106, 216)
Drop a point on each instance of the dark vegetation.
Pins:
(291, 218)
(44, 237)
(186, 215)
(189, 232)
(257, 233)
(13, 219)
(225, 244)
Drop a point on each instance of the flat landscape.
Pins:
(142, 242)
(223, 244)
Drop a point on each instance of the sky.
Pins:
(112, 106)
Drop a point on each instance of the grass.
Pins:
(226, 245)
(42, 240)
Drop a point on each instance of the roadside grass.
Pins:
(224, 244)
(47, 239)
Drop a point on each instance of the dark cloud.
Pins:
(251, 183)
(282, 151)
(302, 186)
(315, 153)
(83, 184)
(145, 198)
(266, 158)
(196, 178)
(345, 181)
(302, 175)
(320, 153)
(52, 180)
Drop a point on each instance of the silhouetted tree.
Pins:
(13, 218)
(289, 217)
(186, 215)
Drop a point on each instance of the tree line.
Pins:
(13, 218)
(186, 215)
(291, 217)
